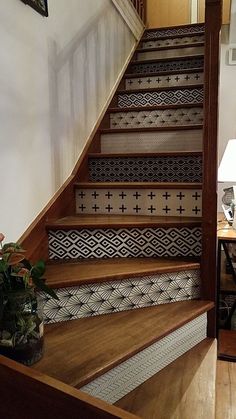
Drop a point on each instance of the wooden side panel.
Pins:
(209, 211)
(225, 12)
(161, 13)
(27, 394)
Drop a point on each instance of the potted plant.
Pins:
(21, 319)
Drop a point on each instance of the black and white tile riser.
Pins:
(174, 31)
(167, 66)
(122, 379)
(166, 97)
(167, 80)
(157, 118)
(124, 242)
(146, 169)
(115, 296)
(172, 42)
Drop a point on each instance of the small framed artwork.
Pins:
(41, 6)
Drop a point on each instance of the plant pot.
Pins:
(21, 327)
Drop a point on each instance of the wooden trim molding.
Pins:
(130, 16)
(209, 199)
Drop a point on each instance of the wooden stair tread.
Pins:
(155, 89)
(135, 185)
(151, 129)
(154, 108)
(78, 351)
(153, 60)
(143, 155)
(184, 389)
(227, 343)
(170, 47)
(163, 73)
(225, 390)
(74, 273)
(120, 221)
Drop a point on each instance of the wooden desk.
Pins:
(226, 288)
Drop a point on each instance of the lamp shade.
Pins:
(227, 168)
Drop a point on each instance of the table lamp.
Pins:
(227, 173)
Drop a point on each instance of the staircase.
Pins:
(126, 265)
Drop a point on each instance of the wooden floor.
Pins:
(226, 390)
(227, 343)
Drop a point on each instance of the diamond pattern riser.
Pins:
(134, 142)
(122, 379)
(166, 97)
(114, 296)
(170, 53)
(158, 118)
(155, 202)
(168, 80)
(123, 242)
(172, 42)
(174, 31)
(146, 169)
(166, 66)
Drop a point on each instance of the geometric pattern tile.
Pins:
(169, 80)
(168, 65)
(131, 142)
(110, 297)
(165, 97)
(146, 169)
(158, 118)
(187, 51)
(122, 379)
(158, 43)
(124, 242)
(159, 202)
(174, 31)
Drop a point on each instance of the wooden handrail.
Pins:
(213, 15)
(141, 7)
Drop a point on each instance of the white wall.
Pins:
(227, 104)
(56, 74)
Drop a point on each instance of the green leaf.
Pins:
(42, 286)
(3, 265)
(38, 269)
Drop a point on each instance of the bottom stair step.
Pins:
(185, 389)
(108, 356)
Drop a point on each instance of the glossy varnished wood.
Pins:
(28, 394)
(160, 154)
(136, 185)
(227, 344)
(226, 390)
(77, 351)
(163, 73)
(154, 108)
(170, 47)
(153, 60)
(154, 89)
(62, 274)
(225, 231)
(121, 221)
(151, 129)
(183, 390)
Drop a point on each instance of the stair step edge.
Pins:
(141, 185)
(160, 89)
(170, 47)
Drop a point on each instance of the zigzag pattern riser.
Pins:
(172, 42)
(149, 142)
(133, 242)
(168, 80)
(166, 66)
(155, 202)
(124, 378)
(174, 31)
(127, 294)
(170, 53)
(157, 118)
(171, 97)
(146, 169)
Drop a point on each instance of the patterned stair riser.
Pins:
(169, 80)
(124, 242)
(165, 97)
(167, 66)
(170, 53)
(172, 42)
(151, 142)
(122, 379)
(157, 118)
(146, 169)
(127, 294)
(188, 30)
(156, 202)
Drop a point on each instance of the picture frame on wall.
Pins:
(41, 6)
